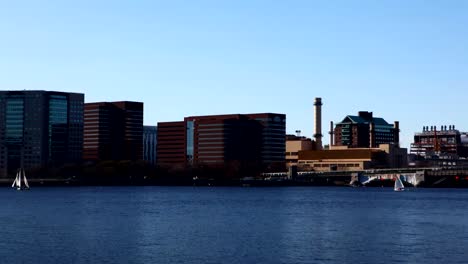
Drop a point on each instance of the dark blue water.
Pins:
(233, 225)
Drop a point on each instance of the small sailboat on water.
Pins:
(20, 177)
(399, 186)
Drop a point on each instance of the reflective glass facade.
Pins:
(190, 141)
(149, 144)
(14, 125)
(14, 120)
(58, 128)
(39, 128)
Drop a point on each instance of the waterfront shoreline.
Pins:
(323, 182)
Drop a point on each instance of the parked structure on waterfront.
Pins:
(244, 139)
(113, 131)
(40, 128)
(364, 131)
(149, 144)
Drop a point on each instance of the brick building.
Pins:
(365, 131)
(222, 139)
(113, 131)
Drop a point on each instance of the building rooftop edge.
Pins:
(35, 91)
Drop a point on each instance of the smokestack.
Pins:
(318, 122)
(371, 135)
(332, 134)
(396, 136)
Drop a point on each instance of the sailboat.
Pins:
(398, 185)
(20, 176)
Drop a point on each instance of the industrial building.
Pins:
(39, 129)
(353, 159)
(356, 143)
(446, 146)
(113, 131)
(149, 144)
(448, 141)
(364, 131)
(294, 144)
(248, 139)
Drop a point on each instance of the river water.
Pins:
(233, 225)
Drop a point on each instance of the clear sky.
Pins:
(403, 60)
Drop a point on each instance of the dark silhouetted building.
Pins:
(170, 150)
(365, 131)
(40, 128)
(149, 144)
(113, 131)
(250, 140)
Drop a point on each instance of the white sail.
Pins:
(398, 184)
(25, 180)
(19, 180)
(15, 181)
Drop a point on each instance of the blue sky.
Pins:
(402, 60)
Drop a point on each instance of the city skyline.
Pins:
(402, 61)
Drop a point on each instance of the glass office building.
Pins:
(149, 144)
(39, 128)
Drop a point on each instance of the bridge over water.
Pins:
(428, 177)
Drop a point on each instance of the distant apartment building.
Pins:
(40, 128)
(113, 131)
(365, 131)
(149, 144)
(222, 139)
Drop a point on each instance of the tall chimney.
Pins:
(332, 134)
(396, 130)
(318, 122)
(371, 135)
